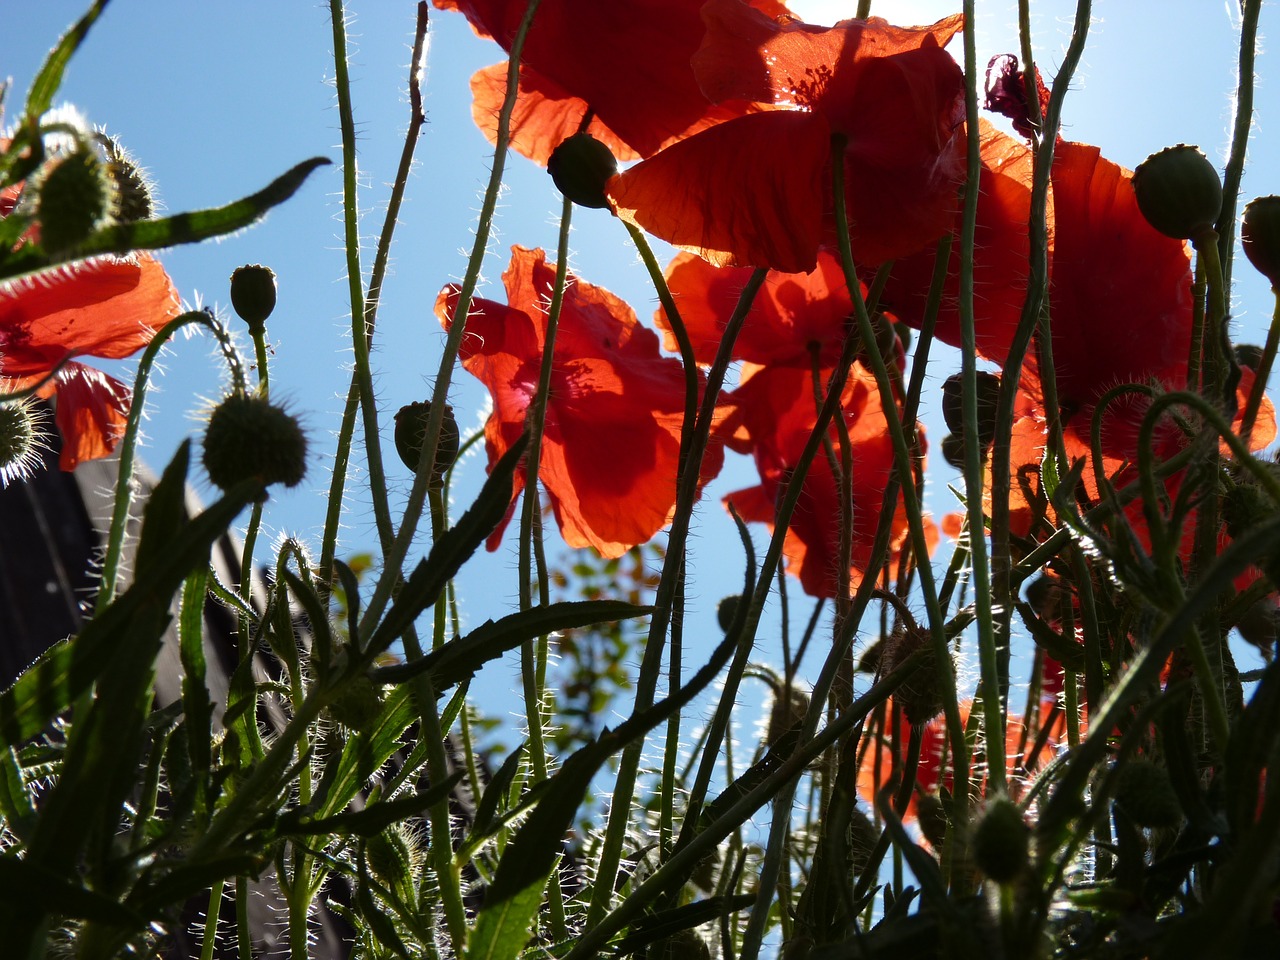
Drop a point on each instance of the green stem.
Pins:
(394, 557)
(1250, 11)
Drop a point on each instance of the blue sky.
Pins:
(217, 98)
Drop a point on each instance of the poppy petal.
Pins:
(92, 411)
(739, 194)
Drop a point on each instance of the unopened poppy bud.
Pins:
(358, 703)
(1260, 235)
(394, 856)
(580, 167)
(988, 402)
(953, 450)
(411, 430)
(786, 712)
(20, 440)
(249, 437)
(1179, 192)
(132, 188)
(920, 695)
(931, 814)
(727, 610)
(253, 295)
(74, 198)
(1248, 355)
(1146, 794)
(1002, 841)
(1245, 505)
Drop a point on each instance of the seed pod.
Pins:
(988, 400)
(581, 167)
(411, 430)
(1179, 192)
(253, 295)
(1002, 841)
(1260, 236)
(248, 437)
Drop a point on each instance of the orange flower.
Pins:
(626, 62)
(756, 191)
(612, 432)
(771, 416)
(110, 307)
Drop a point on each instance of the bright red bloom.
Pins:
(756, 191)
(792, 315)
(626, 62)
(612, 433)
(771, 416)
(1027, 750)
(110, 307)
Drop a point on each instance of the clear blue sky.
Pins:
(217, 98)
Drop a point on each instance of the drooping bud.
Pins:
(1260, 236)
(953, 450)
(727, 610)
(395, 857)
(580, 167)
(988, 400)
(1248, 355)
(73, 199)
(1179, 192)
(681, 945)
(1002, 841)
(249, 437)
(411, 430)
(1146, 794)
(253, 295)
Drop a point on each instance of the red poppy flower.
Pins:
(792, 314)
(612, 433)
(755, 191)
(110, 307)
(1027, 750)
(626, 62)
(771, 416)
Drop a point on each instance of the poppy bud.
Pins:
(1245, 505)
(74, 197)
(920, 696)
(131, 186)
(1248, 355)
(988, 401)
(358, 703)
(394, 856)
(249, 437)
(411, 430)
(931, 814)
(580, 167)
(1179, 192)
(727, 610)
(681, 945)
(953, 450)
(253, 295)
(1260, 234)
(1146, 794)
(20, 440)
(1002, 841)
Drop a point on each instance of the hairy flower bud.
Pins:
(1260, 236)
(580, 167)
(1146, 794)
(248, 436)
(132, 191)
(411, 430)
(1179, 192)
(727, 610)
(21, 439)
(253, 295)
(988, 399)
(1002, 841)
(358, 703)
(73, 199)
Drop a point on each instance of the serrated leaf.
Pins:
(658, 926)
(45, 86)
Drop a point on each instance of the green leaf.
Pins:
(372, 819)
(365, 754)
(496, 789)
(45, 86)
(29, 887)
(451, 551)
(15, 801)
(460, 659)
(658, 926)
(196, 704)
(193, 227)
